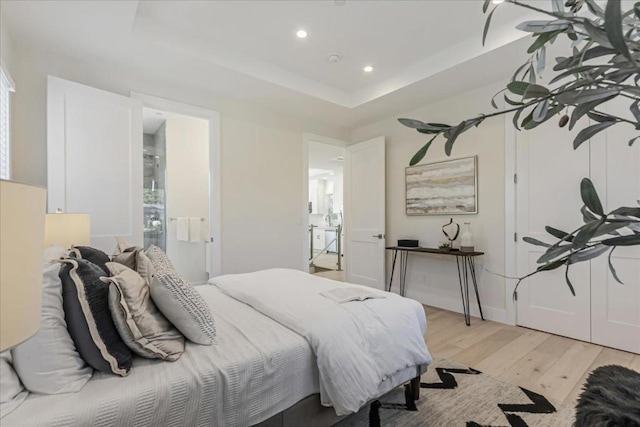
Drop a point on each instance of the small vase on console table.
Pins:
(466, 239)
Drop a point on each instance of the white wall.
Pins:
(187, 192)
(433, 280)
(261, 152)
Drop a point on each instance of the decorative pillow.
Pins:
(136, 259)
(12, 393)
(48, 362)
(142, 326)
(160, 260)
(184, 307)
(93, 255)
(86, 307)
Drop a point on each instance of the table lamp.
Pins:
(67, 229)
(22, 212)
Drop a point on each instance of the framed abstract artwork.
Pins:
(449, 187)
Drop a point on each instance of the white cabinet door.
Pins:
(94, 159)
(365, 213)
(548, 193)
(615, 171)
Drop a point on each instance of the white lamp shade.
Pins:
(66, 230)
(22, 211)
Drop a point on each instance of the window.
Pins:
(6, 87)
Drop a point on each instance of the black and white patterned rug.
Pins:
(455, 395)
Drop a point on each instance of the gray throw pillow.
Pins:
(142, 326)
(93, 255)
(184, 307)
(86, 307)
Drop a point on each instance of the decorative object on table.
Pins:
(22, 212)
(466, 239)
(444, 246)
(67, 229)
(451, 230)
(408, 243)
(447, 187)
(585, 87)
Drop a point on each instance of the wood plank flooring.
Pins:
(547, 364)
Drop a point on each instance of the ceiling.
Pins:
(248, 50)
(325, 159)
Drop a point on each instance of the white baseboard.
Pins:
(490, 313)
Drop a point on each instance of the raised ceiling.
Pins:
(249, 49)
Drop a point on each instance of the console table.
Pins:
(466, 268)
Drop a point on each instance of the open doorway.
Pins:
(326, 209)
(176, 194)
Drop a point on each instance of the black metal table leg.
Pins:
(404, 258)
(464, 283)
(393, 268)
(472, 268)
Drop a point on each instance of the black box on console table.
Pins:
(408, 243)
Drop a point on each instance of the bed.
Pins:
(259, 373)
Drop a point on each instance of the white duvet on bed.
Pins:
(258, 369)
(359, 345)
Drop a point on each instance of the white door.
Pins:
(365, 213)
(548, 193)
(94, 159)
(615, 307)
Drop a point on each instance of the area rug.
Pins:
(455, 395)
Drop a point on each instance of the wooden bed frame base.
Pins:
(309, 412)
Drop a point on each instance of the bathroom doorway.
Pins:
(181, 186)
(326, 208)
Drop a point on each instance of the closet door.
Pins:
(548, 193)
(615, 171)
(94, 159)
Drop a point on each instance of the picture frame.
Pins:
(448, 187)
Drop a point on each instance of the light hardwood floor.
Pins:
(547, 364)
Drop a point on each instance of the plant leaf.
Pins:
(613, 27)
(626, 211)
(539, 27)
(587, 254)
(518, 87)
(448, 146)
(487, 24)
(597, 34)
(632, 140)
(589, 132)
(614, 273)
(631, 240)
(585, 108)
(535, 91)
(587, 95)
(485, 6)
(540, 112)
(421, 153)
(590, 196)
(586, 233)
(566, 276)
(562, 235)
(536, 242)
(553, 252)
(552, 265)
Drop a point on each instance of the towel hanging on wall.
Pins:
(182, 229)
(195, 229)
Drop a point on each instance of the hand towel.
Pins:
(195, 229)
(182, 229)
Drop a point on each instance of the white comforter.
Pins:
(358, 345)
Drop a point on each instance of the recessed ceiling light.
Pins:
(334, 58)
(497, 1)
(301, 34)
(368, 69)
(340, 2)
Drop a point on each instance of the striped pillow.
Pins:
(86, 307)
(183, 305)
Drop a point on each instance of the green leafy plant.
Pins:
(602, 65)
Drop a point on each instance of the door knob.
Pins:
(379, 236)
